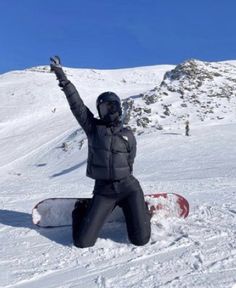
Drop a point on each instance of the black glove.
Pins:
(55, 63)
(57, 69)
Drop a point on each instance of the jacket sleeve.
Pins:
(81, 112)
(132, 152)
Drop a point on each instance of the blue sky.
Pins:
(115, 33)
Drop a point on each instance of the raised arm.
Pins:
(81, 112)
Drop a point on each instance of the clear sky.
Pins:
(115, 33)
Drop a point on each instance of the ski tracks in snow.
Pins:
(197, 252)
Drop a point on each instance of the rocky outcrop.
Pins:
(192, 90)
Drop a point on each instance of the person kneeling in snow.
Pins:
(111, 153)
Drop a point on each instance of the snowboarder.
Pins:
(187, 128)
(111, 153)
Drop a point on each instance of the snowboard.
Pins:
(57, 212)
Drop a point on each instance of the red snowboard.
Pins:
(56, 212)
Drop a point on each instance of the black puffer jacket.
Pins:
(111, 149)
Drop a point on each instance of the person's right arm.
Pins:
(81, 112)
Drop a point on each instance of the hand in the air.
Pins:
(55, 63)
(56, 67)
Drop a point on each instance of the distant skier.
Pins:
(187, 128)
(111, 153)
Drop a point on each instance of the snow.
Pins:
(199, 251)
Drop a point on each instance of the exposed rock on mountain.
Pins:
(194, 90)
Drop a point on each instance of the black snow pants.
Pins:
(128, 194)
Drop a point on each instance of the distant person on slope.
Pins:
(111, 153)
(187, 128)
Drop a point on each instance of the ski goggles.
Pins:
(110, 107)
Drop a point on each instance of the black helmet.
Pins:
(109, 106)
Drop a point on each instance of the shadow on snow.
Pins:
(61, 235)
(68, 170)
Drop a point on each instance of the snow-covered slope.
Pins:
(44, 151)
